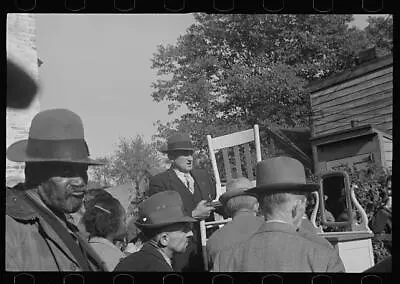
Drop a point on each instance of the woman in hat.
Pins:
(167, 230)
(104, 220)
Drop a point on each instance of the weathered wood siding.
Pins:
(388, 149)
(367, 99)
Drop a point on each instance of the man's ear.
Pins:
(163, 239)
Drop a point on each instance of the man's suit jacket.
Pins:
(204, 189)
(278, 247)
(147, 259)
(242, 227)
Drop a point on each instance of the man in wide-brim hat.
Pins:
(166, 227)
(196, 190)
(278, 246)
(243, 208)
(39, 233)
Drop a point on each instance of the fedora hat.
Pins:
(162, 209)
(281, 174)
(55, 135)
(179, 141)
(236, 187)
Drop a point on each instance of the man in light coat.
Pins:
(242, 208)
(277, 246)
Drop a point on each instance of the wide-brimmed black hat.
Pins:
(162, 209)
(55, 135)
(236, 187)
(281, 174)
(179, 141)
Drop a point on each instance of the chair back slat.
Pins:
(234, 139)
(227, 164)
(247, 156)
(238, 164)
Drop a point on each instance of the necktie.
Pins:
(188, 183)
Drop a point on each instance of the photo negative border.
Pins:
(192, 6)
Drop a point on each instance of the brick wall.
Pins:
(21, 47)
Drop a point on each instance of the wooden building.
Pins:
(352, 116)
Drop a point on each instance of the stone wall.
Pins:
(21, 47)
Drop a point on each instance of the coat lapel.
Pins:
(202, 185)
(177, 184)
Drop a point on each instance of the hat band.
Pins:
(169, 214)
(69, 149)
(179, 145)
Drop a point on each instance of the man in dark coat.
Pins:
(196, 190)
(278, 246)
(168, 230)
(39, 235)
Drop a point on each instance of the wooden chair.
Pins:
(234, 140)
(223, 144)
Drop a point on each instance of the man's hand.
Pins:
(202, 210)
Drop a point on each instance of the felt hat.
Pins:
(162, 209)
(281, 174)
(179, 141)
(55, 135)
(21, 88)
(236, 187)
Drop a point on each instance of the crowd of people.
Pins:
(54, 223)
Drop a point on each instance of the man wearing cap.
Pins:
(168, 230)
(277, 246)
(242, 208)
(39, 235)
(195, 188)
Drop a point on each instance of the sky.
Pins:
(99, 66)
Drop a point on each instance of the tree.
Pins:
(103, 175)
(133, 161)
(233, 71)
(380, 33)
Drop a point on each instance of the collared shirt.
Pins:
(185, 178)
(108, 252)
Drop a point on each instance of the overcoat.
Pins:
(278, 247)
(242, 226)
(204, 189)
(33, 245)
(147, 259)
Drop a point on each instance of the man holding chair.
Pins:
(196, 190)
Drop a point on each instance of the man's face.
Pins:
(65, 188)
(182, 160)
(178, 237)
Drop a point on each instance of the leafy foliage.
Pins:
(133, 162)
(237, 70)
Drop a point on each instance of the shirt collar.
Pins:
(179, 173)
